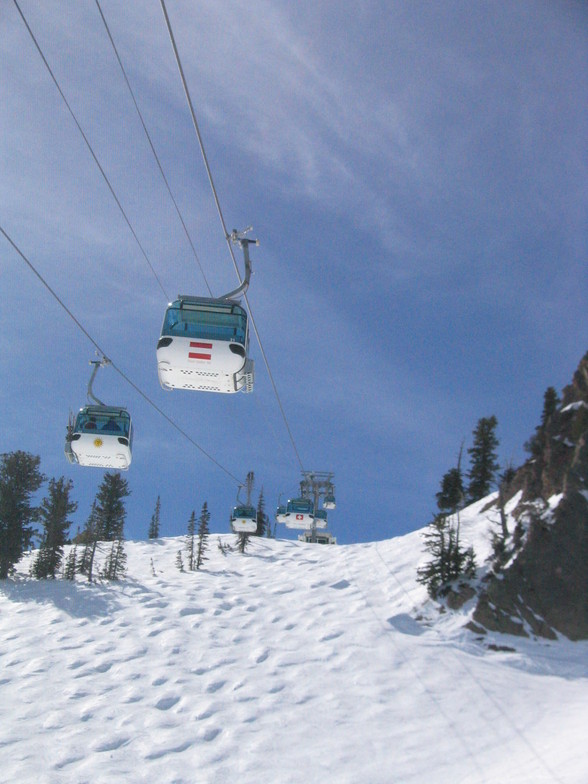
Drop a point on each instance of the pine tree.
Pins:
(242, 541)
(501, 537)
(41, 566)
(434, 573)
(442, 538)
(224, 548)
(154, 524)
(53, 513)
(550, 403)
(262, 518)
(536, 443)
(483, 466)
(110, 508)
(19, 479)
(179, 561)
(190, 544)
(89, 538)
(203, 533)
(69, 572)
(449, 560)
(116, 561)
(106, 524)
(450, 497)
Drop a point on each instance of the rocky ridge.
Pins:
(541, 587)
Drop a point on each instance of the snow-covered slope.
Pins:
(290, 663)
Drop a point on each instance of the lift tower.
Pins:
(318, 487)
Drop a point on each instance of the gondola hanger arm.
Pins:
(239, 238)
(98, 363)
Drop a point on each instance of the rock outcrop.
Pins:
(543, 586)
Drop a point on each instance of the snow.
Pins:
(575, 406)
(554, 501)
(289, 663)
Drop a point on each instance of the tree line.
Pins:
(20, 519)
(103, 533)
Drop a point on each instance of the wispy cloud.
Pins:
(417, 176)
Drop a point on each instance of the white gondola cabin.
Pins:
(100, 437)
(203, 346)
(244, 519)
(329, 501)
(299, 514)
(313, 538)
(320, 518)
(204, 341)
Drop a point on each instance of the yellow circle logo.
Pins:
(98, 442)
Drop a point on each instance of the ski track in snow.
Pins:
(290, 663)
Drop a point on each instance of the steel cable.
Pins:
(155, 155)
(224, 227)
(89, 146)
(118, 370)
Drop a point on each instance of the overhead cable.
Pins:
(121, 373)
(224, 227)
(198, 134)
(89, 146)
(124, 73)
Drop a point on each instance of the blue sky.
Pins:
(416, 175)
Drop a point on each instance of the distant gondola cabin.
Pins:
(320, 518)
(299, 514)
(101, 437)
(244, 519)
(329, 502)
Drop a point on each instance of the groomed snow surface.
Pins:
(291, 663)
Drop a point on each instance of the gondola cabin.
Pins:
(329, 501)
(244, 519)
(313, 538)
(203, 346)
(102, 437)
(299, 513)
(281, 513)
(320, 518)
